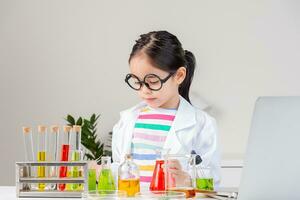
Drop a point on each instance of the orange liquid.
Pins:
(131, 186)
(189, 192)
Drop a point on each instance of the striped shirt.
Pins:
(149, 134)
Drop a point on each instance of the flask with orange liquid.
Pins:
(128, 177)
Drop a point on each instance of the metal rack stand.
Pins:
(23, 177)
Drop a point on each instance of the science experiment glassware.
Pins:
(52, 154)
(158, 177)
(76, 155)
(204, 178)
(64, 154)
(106, 179)
(41, 154)
(128, 177)
(180, 173)
(29, 154)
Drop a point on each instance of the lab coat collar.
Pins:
(185, 116)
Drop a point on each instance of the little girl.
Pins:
(161, 72)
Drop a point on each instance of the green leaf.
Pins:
(71, 120)
(89, 137)
(79, 121)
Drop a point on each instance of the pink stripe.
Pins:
(157, 116)
(150, 137)
(145, 179)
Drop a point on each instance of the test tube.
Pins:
(41, 154)
(76, 153)
(52, 153)
(29, 154)
(64, 154)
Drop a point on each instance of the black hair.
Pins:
(166, 53)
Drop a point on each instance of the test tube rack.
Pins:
(21, 180)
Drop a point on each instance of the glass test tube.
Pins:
(64, 154)
(29, 154)
(76, 154)
(41, 154)
(52, 153)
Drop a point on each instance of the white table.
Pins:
(9, 193)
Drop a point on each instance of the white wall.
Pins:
(59, 57)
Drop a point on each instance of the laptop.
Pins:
(272, 162)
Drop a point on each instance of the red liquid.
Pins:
(63, 169)
(158, 178)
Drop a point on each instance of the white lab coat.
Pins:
(192, 129)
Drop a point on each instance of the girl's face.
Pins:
(167, 96)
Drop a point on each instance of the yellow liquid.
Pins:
(68, 185)
(41, 169)
(131, 186)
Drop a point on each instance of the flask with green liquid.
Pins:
(106, 179)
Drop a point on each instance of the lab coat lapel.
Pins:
(185, 118)
(130, 117)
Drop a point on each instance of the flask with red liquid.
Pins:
(158, 177)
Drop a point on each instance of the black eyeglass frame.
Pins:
(162, 81)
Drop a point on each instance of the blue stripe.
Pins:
(144, 156)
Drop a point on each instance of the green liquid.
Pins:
(205, 183)
(75, 171)
(106, 180)
(92, 179)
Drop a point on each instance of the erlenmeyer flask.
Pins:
(158, 177)
(106, 179)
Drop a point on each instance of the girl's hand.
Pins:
(180, 177)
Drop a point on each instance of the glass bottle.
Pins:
(106, 179)
(128, 177)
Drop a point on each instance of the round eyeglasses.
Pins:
(151, 81)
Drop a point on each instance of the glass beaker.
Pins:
(204, 178)
(106, 179)
(180, 173)
(129, 178)
(92, 175)
(158, 177)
